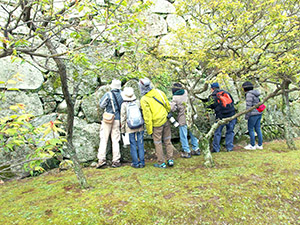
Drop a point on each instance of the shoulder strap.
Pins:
(112, 103)
(164, 105)
(159, 101)
(116, 101)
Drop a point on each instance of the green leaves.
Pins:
(16, 133)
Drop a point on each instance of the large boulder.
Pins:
(156, 25)
(90, 105)
(175, 22)
(31, 101)
(86, 139)
(26, 76)
(162, 6)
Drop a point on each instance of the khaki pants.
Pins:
(163, 134)
(107, 129)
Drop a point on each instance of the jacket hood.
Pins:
(145, 86)
(255, 93)
(152, 92)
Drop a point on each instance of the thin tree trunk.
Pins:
(70, 119)
(204, 143)
(63, 77)
(286, 115)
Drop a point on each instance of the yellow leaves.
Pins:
(13, 82)
(39, 169)
(21, 106)
(51, 127)
(25, 117)
(17, 106)
(47, 131)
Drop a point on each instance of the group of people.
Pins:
(156, 112)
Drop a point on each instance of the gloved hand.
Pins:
(195, 116)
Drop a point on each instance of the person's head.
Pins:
(145, 85)
(247, 86)
(115, 84)
(214, 86)
(128, 94)
(176, 87)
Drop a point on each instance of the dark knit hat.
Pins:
(247, 86)
(176, 87)
(215, 85)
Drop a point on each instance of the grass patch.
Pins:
(245, 187)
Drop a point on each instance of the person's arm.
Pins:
(173, 105)
(212, 102)
(147, 115)
(249, 104)
(104, 101)
(249, 101)
(123, 118)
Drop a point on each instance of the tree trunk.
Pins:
(204, 143)
(70, 119)
(205, 140)
(286, 115)
(63, 77)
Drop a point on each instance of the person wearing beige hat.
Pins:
(130, 111)
(111, 102)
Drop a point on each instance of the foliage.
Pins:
(243, 38)
(243, 188)
(17, 132)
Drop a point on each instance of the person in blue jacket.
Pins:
(111, 102)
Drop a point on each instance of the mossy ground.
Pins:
(245, 187)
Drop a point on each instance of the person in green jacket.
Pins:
(155, 107)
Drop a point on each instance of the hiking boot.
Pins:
(250, 147)
(196, 152)
(162, 166)
(170, 162)
(260, 147)
(186, 155)
(141, 165)
(135, 166)
(101, 164)
(116, 164)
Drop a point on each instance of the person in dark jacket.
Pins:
(222, 112)
(253, 117)
(111, 102)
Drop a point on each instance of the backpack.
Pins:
(224, 99)
(134, 116)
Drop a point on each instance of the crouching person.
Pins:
(155, 108)
(132, 122)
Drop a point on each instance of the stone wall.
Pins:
(43, 97)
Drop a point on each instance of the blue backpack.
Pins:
(134, 116)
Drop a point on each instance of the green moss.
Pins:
(245, 187)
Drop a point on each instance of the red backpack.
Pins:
(224, 99)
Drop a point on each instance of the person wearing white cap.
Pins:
(132, 122)
(111, 102)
